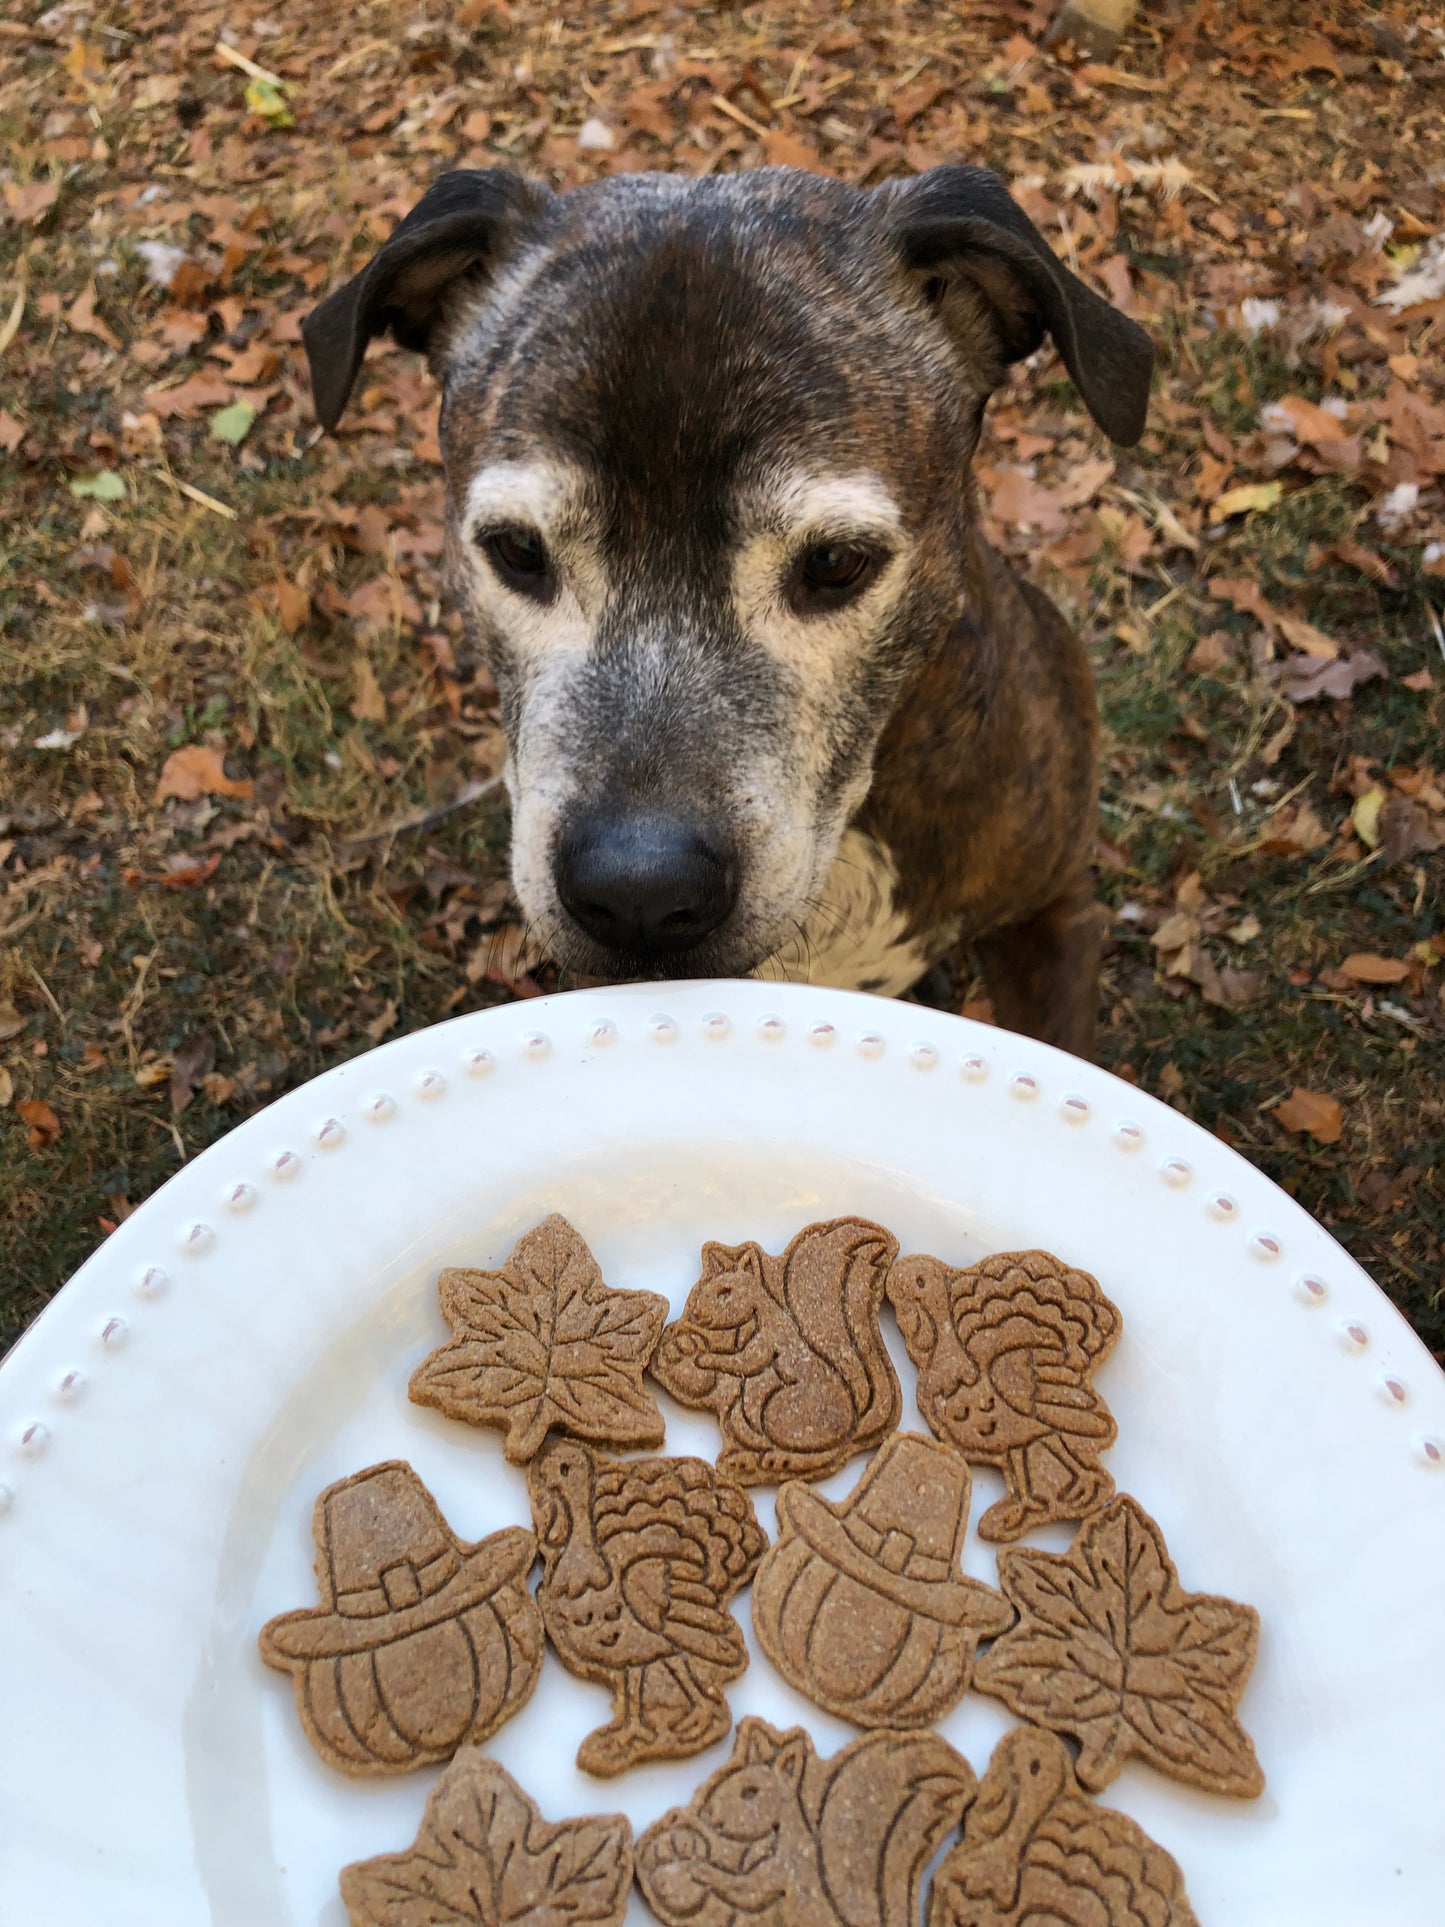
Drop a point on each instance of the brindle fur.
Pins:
(678, 342)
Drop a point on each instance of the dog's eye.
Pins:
(832, 573)
(519, 557)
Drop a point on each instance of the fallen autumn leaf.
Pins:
(197, 770)
(1368, 969)
(1323, 1117)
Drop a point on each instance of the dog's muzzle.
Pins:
(645, 885)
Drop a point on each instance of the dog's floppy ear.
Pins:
(962, 221)
(465, 220)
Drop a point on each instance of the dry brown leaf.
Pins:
(1083, 483)
(81, 316)
(368, 705)
(32, 201)
(1367, 969)
(11, 1022)
(1356, 556)
(293, 605)
(1211, 652)
(189, 397)
(1304, 420)
(1323, 1117)
(190, 1067)
(1305, 678)
(1304, 636)
(382, 1023)
(1017, 498)
(382, 603)
(197, 770)
(543, 1342)
(184, 877)
(1405, 831)
(43, 1124)
(7, 1087)
(786, 150)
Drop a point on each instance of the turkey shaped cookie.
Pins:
(1035, 1849)
(1004, 1350)
(787, 1351)
(641, 1558)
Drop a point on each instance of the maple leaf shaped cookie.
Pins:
(1110, 1648)
(545, 1342)
(485, 1857)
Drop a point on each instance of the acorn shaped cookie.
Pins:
(421, 1642)
(863, 1606)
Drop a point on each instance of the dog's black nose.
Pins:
(646, 884)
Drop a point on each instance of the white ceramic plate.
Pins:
(246, 1338)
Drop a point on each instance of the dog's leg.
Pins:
(937, 988)
(1043, 973)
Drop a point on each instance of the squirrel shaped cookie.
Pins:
(779, 1838)
(420, 1643)
(1004, 1350)
(641, 1559)
(1036, 1849)
(788, 1352)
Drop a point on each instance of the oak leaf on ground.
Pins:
(197, 770)
(1323, 1117)
(43, 1125)
(1365, 968)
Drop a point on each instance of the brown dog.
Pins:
(771, 702)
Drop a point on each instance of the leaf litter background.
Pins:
(247, 819)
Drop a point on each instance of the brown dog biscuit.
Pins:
(1110, 1648)
(862, 1605)
(1036, 1849)
(779, 1835)
(787, 1351)
(641, 1558)
(544, 1342)
(1004, 1350)
(484, 1857)
(421, 1642)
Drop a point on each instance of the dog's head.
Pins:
(706, 447)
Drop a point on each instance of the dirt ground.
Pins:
(244, 828)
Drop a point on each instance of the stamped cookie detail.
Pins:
(544, 1342)
(1004, 1351)
(1110, 1648)
(779, 1835)
(420, 1643)
(1035, 1849)
(485, 1857)
(787, 1351)
(641, 1558)
(862, 1605)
